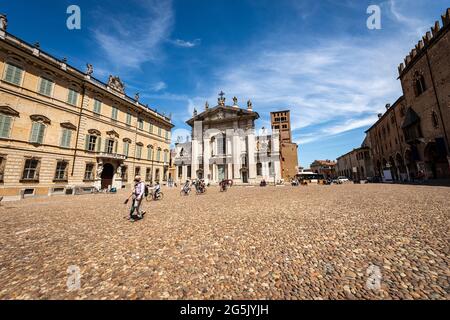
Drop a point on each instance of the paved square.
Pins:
(316, 242)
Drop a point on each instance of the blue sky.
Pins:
(316, 58)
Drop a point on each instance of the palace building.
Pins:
(224, 145)
(62, 131)
(412, 137)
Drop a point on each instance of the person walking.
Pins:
(137, 196)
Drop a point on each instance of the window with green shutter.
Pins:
(159, 131)
(141, 124)
(66, 138)
(129, 119)
(72, 97)
(165, 156)
(46, 87)
(126, 148)
(5, 126)
(114, 113)
(37, 132)
(13, 74)
(150, 128)
(150, 153)
(97, 106)
(138, 151)
(158, 155)
(167, 135)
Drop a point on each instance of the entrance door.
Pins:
(107, 175)
(244, 176)
(220, 172)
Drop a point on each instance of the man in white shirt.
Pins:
(137, 195)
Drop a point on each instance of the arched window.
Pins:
(435, 119)
(419, 83)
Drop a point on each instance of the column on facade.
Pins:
(206, 158)
(229, 151)
(184, 173)
(194, 157)
(251, 154)
(236, 154)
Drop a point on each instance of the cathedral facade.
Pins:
(225, 146)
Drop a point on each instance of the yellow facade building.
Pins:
(63, 131)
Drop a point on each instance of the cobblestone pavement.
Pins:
(316, 242)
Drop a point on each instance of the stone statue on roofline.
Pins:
(89, 69)
(3, 22)
(249, 105)
(235, 101)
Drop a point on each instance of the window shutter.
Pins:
(34, 132)
(5, 126)
(68, 138)
(10, 73)
(17, 75)
(41, 130)
(116, 144)
(86, 143)
(99, 144)
(106, 146)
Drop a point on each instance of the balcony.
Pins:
(113, 156)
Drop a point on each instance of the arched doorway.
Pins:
(410, 164)
(401, 167)
(393, 168)
(107, 175)
(244, 175)
(436, 162)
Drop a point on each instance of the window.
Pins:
(124, 173)
(72, 98)
(92, 142)
(138, 151)
(148, 175)
(167, 135)
(435, 119)
(180, 172)
(61, 171)
(158, 155)
(114, 113)
(98, 107)
(66, 137)
(31, 170)
(149, 153)
(13, 74)
(109, 146)
(419, 84)
(166, 156)
(137, 171)
(89, 172)
(150, 128)
(129, 119)
(37, 132)
(141, 124)
(126, 148)
(259, 169)
(159, 131)
(2, 167)
(5, 125)
(46, 87)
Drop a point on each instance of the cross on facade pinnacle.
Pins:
(221, 95)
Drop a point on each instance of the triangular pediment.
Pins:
(223, 113)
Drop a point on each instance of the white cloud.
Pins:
(158, 86)
(185, 44)
(129, 41)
